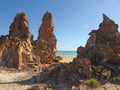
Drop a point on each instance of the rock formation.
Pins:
(103, 44)
(16, 48)
(100, 58)
(95, 60)
(45, 45)
(102, 49)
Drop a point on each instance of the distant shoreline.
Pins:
(66, 53)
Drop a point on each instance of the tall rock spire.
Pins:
(108, 32)
(16, 48)
(20, 27)
(46, 42)
(47, 26)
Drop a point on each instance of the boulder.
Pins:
(57, 59)
(84, 66)
(105, 75)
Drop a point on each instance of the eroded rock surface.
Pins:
(103, 50)
(45, 45)
(100, 58)
(18, 50)
(104, 43)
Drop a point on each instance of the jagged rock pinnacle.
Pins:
(106, 19)
(46, 42)
(103, 46)
(20, 26)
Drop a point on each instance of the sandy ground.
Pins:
(8, 80)
(6, 76)
(67, 58)
(7, 85)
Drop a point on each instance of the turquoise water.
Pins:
(69, 53)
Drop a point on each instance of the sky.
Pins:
(73, 19)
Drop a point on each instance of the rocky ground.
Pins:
(13, 79)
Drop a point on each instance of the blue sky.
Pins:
(73, 19)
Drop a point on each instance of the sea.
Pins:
(67, 53)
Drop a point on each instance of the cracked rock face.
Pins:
(20, 27)
(16, 48)
(45, 45)
(103, 44)
(102, 49)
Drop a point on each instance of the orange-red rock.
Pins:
(83, 65)
(102, 49)
(45, 46)
(20, 27)
(16, 48)
(103, 44)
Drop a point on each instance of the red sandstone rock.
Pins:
(45, 46)
(102, 47)
(16, 48)
(20, 26)
(84, 66)
(103, 44)
(58, 58)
